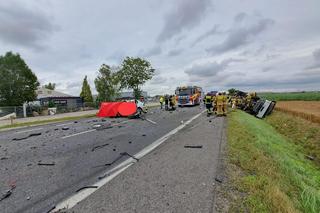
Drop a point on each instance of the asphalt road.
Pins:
(43, 169)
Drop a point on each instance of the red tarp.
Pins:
(113, 109)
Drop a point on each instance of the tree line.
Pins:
(19, 84)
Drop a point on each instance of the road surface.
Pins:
(43, 170)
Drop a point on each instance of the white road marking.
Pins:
(151, 121)
(78, 197)
(91, 130)
(79, 133)
(29, 130)
(64, 124)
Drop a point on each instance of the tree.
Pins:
(86, 94)
(232, 91)
(50, 86)
(134, 73)
(18, 83)
(107, 83)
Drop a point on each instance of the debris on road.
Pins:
(99, 147)
(46, 164)
(4, 158)
(6, 195)
(219, 179)
(87, 187)
(126, 153)
(65, 128)
(75, 122)
(144, 135)
(193, 146)
(30, 135)
(102, 126)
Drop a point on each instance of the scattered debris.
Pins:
(47, 131)
(114, 150)
(144, 135)
(33, 147)
(94, 120)
(30, 135)
(102, 126)
(219, 179)
(99, 147)
(87, 187)
(30, 164)
(52, 208)
(56, 129)
(126, 153)
(6, 195)
(130, 142)
(193, 146)
(28, 197)
(4, 158)
(104, 120)
(46, 164)
(65, 128)
(309, 157)
(75, 122)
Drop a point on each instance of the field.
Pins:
(309, 110)
(269, 166)
(291, 96)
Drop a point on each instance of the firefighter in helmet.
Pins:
(219, 101)
(208, 101)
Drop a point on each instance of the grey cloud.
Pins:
(267, 69)
(158, 80)
(316, 58)
(240, 17)
(213, 31)
(22, 26)
(186, 15)
(240, 36)
(210, 69)
(175, 52)
(156, 50)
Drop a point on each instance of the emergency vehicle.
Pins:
(188, 95)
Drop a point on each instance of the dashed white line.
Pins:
(151, 121)
(64, 124)
(79, 133)
(29, 130)
(76, 198)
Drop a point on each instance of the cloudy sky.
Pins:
(262, 45)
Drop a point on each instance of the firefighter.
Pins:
(166, 102)
(234, 102)
(219, 103)
(225, 103)
(161, 101)
(172, 102)
(208, 100)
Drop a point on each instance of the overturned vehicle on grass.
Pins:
(253, 104)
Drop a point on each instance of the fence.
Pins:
(36, 110)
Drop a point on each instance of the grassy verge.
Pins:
(300, 131)
(275, 176)
(291, 96)
(34, 123)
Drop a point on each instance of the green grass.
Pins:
(34, 123)
(276, 176)
(292, 96)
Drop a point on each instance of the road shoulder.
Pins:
(172, 178)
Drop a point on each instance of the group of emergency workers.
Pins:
(168, 101)
(216, 103)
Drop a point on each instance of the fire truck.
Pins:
(188, 95)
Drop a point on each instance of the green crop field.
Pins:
(291, 96)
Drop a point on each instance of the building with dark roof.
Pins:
(45, 96)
